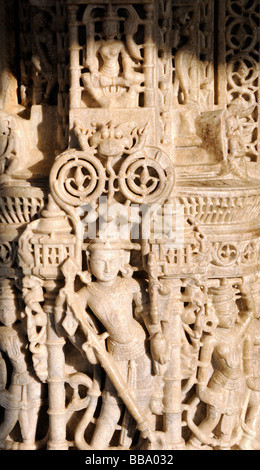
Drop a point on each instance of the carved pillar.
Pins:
(56, 375)
(149, 57)
(173, 375)
(75, 69)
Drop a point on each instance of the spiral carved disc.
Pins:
(77, 178)
(146, 177)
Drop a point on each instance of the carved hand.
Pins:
(90, 353)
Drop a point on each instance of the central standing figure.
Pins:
(111, 297)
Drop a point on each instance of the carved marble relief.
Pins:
(129, 225)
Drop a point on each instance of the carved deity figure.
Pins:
(9, 145)
(184, 56)
(45, 57)
(250, 439)
(36, 324)
(22, 399)
(224, 391)
(185, 101)
(111, 80)
(14, 147)
(235, 155)
(110, 297)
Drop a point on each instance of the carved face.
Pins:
(227, 314)
(8, 313)
(110, 29)
(105, 264)
(111, 142)
(40, 22)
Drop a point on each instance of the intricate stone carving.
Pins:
(13, 146)
(129, 225)
(112, 80)
(145, 175)
(225, 392)
(127, 365)
(183, 25)
(22, 399)
(45, 58)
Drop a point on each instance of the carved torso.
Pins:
(110, 54)
(228, 353)
(113, 307)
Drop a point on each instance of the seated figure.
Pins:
(111, 80)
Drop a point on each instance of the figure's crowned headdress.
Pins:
(109, 13)
(224, 297)
(111, 244)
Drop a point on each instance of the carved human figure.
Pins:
(251, 365)
(111, 68)
(224, 391)
(9, 146)
(36, 321)
(185, 102)
(33, 295)
(15, 147)
(22, 399)
(110, 298)
(184, 56)
(45, 58)
(235, 154)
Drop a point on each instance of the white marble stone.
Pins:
(129, 225)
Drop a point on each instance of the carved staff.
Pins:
(153, 288)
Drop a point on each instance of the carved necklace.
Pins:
(98, 289)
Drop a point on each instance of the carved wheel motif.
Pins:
(249, 253)
(241, 35)
(242, 71)
(77, 178)
(225, 254)
(238, 7)
(146, 177)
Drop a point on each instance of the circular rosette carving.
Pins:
(77, 178)
(146, 177)
(240, 7)
(241, 35)
(249, 253)
(225, 254)
(242, 71)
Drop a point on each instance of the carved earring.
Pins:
(125, 268)
(86, 276)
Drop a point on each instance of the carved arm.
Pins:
(204, 393)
